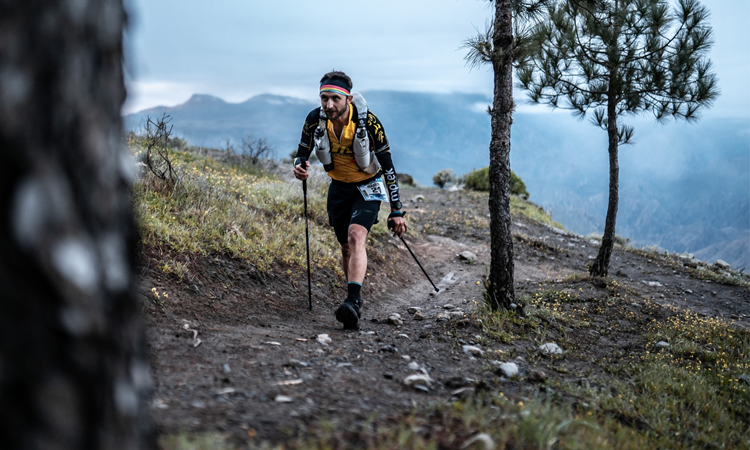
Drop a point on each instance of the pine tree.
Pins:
(501, 45)
(611, 58)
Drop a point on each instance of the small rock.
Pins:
(536, 376)
(413, 366)
(584, 383)
(465, 322)
(418, 315)
(482, 438)
(463, 393)
(226, 368)
(418, 198)
(456, 314)
(652, 283)
(418, 380)
(550, 348)
(467, 256)
(388, 375)
(283, 399)
(324, 339)
(442, 318)
(395, 319)
(388, 349)
(449, 306)
(472, 350)
(735, 317)
(507, 370)
(413, 309)
(198, 404)
(406, 357)
(662, 344)
(688, 291)
(721, 264)
(403, 336)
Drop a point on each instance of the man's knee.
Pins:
(357, 235)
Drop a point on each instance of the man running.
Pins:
(350, 142)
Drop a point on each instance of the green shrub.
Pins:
(479, 180)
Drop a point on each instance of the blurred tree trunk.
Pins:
(500, 286)
(73, 367)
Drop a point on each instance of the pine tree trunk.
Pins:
(500, 289)
(600, 267)
(73, 367)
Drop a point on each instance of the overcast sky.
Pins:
(235, 49)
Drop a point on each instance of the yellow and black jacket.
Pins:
(345, 167)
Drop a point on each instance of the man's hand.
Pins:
(301, 173)
(397, 224)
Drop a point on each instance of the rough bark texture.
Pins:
(500, 286)
(600, 267)
(73, 371)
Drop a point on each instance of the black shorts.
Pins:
(346, 206)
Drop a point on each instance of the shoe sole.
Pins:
(348, 316)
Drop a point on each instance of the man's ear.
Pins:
(349, 99)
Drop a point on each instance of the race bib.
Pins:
(373, 191)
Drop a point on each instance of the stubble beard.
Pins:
(337, 114)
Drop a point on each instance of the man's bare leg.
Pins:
(354, 260)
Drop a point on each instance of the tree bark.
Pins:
(73, 367)
(600, 267)
(500, 288)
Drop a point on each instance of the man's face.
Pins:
(334, 104)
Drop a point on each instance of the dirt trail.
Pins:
(261, 372)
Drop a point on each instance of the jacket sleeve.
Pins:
(378, 141)
(306, 143)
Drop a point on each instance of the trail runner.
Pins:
(350, 142)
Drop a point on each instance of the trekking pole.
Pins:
(415, 259)
(307, 243)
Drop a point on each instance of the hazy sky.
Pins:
(235, 49)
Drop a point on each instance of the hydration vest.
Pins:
(365, 158)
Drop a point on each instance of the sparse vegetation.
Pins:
(406, 180)
(229, 208)
(443, 178)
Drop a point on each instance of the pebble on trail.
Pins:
(507, 370)
(472, 350)
(418, 381)
(324, 339)
(550, 348)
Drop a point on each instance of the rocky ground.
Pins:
(238, 352)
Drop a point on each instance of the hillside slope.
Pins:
(239, 361)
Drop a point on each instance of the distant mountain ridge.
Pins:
(682, 187)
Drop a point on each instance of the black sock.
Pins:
(354, 289)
